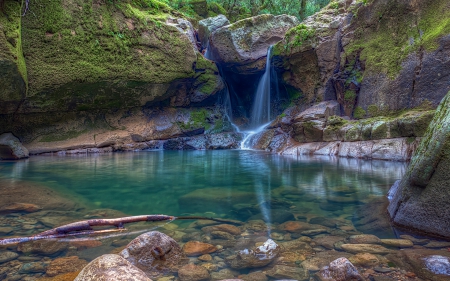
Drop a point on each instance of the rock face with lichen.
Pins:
(370, 56)
(243, 45)
(420, 200)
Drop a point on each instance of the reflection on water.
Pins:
(166, 182)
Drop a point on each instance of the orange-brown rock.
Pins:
(206, 257)
(70, 276)
(65, 265)
(222, 227)
(296, 226)
(19, 207)
(85, 244)
(196, 248)
(192, 272)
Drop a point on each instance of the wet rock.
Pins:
(11, 148)
(6, 256)
(192, 272)
(223, 274)
(416, 241)
(322, 259)
(5, 230)
(290, 258)
(257, 257)
(243, 45)
(19, 207)
(85, 244)
(364, 239)
(438, 264)
(364, 259)
(154, 253)
(298, 246)
(42, 247)
(208, 26)
(324, 221)
(320, 111)
(276, 216)
(372, 218)
(328, 241)
(437, 244)
(210, 266)
(365, 248)
(222, 235)
(254, 276)
(288, 272)
(224, 228)
(33, 267)
(65, 265)
(196, 248)
(297, 226)
(206, 257)
(257, 226)
(401, 243)
(339, 270)
(111, 267)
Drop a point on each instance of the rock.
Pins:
(372, 218)
(282, 272)
(85, 244)
(19, 207)
(5, 230)
(364, 259)
(222, 235)
(328, 241)
(254, 276)
(339, 270)
(233, 230)
(65, 265)
(401, 243)
(422, 196)
(364, 239)
(6, 256)
(437, 244)
(223, 274)
(11, 148)
(33, 267)
(365, 248)
(243, 45)
(207, 26)
(276, 216)
(298, 246)
(438, 264)
(416, 241)
(42, 247)
(196, 248)
(320, 111)
(192, 272)
(258, 257)
(322, 259)
(206, 257)
(210, 266)
(297, 226)
(154, 253)
(111, 267)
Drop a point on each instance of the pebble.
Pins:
(364, 239)
(7, 256)
(416, 241)
(383, 269)
(365, 248)
(437, 244)
(401, 243)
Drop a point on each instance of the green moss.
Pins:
(297, 36)
(216, 8)
(359, 112)
(373, 110)
(385, 46)
(349, 95)
(11, 25)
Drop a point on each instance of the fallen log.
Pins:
(86, 227)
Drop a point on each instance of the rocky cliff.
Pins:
(420, 200)
(92, 74)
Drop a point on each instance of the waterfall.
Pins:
(260, 116)
(261, 105)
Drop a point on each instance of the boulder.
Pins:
(192, 272)
(339, 270)
(257, 257)
(109, 268)
(207, 26)
(11, 148)
(154, 253)
(243, 45)
(421, 198)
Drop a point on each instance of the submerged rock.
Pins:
(11, 148)
(339, 270)
(192, 272)
(282, 272)
(155, 253)
(438, 264)
(6, 256)
(42, 247)
(196, 248)
(258, 257)
(111, 267)
(65, 265)
(365, 248)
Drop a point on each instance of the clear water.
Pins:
(155, 182)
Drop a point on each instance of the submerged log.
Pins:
(86, 227)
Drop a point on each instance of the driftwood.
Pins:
(86, 227)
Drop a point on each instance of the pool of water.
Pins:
(157, 182)
(238, 184)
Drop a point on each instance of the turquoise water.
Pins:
(230, 184)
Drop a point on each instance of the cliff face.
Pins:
(420, 200)
(370, 56)
(84, 68)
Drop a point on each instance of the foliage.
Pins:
(359, 112)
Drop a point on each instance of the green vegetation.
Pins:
(296, 37)
(349, 96)
(359, 112)
(385, 45)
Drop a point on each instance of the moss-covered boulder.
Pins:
(420, 200)
(242, 46)
(208, 26)
(384, 54)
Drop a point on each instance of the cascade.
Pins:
(260, 115)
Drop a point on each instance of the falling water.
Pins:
(260, 116)
(261, 106)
